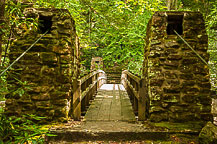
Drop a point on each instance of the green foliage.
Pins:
(3, 87)
(21, 129)
(14, 92)
(18, 129)
(211, 22)
(117, 30)
(20, 91)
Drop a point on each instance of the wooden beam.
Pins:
(142, 101)
(77, 100)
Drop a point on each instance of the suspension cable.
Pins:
(23, 53)
(195, 52)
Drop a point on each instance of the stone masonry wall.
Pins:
(48, 68)
(178, 81)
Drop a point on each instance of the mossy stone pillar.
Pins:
(177, 80)
(48, 69)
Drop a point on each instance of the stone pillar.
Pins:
(178, 81)
(96, 63)
(42, 80)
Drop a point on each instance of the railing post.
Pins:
(123, 81)
(76, 99)
(142, 101)
(98, 82)
(102, 81)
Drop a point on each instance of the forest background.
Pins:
(112, 29)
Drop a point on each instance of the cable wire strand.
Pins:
(202, 59)
(23, 53)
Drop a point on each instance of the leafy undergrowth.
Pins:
(22, 130)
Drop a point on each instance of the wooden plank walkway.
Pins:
(110, 119)
(110, 104)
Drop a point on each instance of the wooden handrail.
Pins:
(137, 91)
(84, 90)
(136, 78)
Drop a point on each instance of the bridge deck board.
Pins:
(110, 104)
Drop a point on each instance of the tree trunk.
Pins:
(2, 11)
(172, 4)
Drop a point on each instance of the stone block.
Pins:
(182, 117)
(206, 116)
(48, 71)
(158, 48)
(176, 109)
(10, 102)
(30, 62)
(169, 51)
(171, 98)
(208, 134)
(174, 57)
(43, 45)
(157, 109)
(170, 74)
(171, 63)
(41, 89)
(188, 83)
(24, 101)
(30, 69)
(41, 97)
(191, 90)
(189, 61)
(157, 21)
(190, 98)
(203, 39)
(66, 87)
(64, 31)
(46, 14)
(67, 24)
(60, 102)
(186, 76)
(205, 85)
(159, 117)
(43, 105)
(171, 44)
(154, 54)
(204, 99)
(60, 112)
(55, 95)
(65, 59)
(172, 89)
(202, 78)
(206, 92)
(155, 42)
(48, 58)
(189, 53)
(200, 70)
(156, 82)
(206, 108)
(172, 82)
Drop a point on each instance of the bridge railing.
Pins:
(135, 87)
(84, 91)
